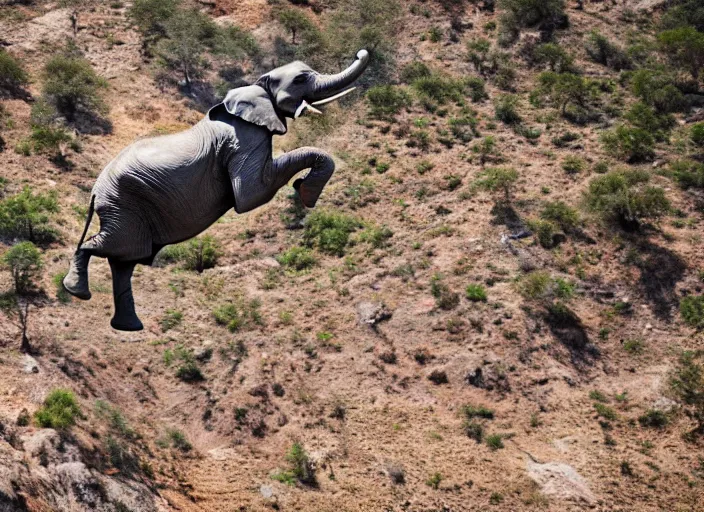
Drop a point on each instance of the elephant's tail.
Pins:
(91, 209)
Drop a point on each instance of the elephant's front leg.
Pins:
(310, 187)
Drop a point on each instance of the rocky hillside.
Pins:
(495, 305)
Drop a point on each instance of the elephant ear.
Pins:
(253, 104)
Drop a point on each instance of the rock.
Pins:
(489, 376)
(561, 481)
(371, 313)
(665, 405)
(266, 491)
(30, 365)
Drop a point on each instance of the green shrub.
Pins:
(61, 294)
(644, 117)
(376, 236)
(59, 411)
(472, 411)
(386, 101)
(624, 196)
(498, 179)
(630, 144)
(505, 109)
(527, 13)
(172, 318)
(598, 396)
(297, 258)
(189, 371)
(692, 310)
(440, 88)
(329, 231)
(178, 440)
(476, 293)
(12, 74)
(26, 216)
(197, 254)
(70, 82)
(236, 316)
(654, 419)
(686, 382)
(150, 17)
(561, 214)
(696, 133)
(657, 89)
(477, 91)
(495, 442)
(688, 173)
(413, 71)
(555, 57)
(564, 90)
(605, 411)
(573, 164)
(684, 46)
(444, 297)
(564, 139)
(545, 232)
(474, 430)
(25, 263)
(301, 467)
(603, 51)
(435, 34)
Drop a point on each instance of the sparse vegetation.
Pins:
(476, 293)
(687, 385)
(692, 310)
(198, 254)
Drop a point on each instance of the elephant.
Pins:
(167, 189)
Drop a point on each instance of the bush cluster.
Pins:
(330, 231)
(626, 197)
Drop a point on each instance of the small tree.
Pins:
(685, 48)
(26, 215)
(24, 262)
(190, 33)
(75, 7)
(687, 384)
(295, 21)
(70, 83)
(13, 77)
(565, 89)
(151, 18)
(498, 179)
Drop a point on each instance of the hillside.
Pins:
(496, 304)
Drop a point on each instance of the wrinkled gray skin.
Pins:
(164, 190)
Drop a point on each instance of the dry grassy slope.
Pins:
(395, 415)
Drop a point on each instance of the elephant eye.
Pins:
(300, 79)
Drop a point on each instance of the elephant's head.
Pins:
(290, 90)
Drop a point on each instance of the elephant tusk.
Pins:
(303, 106)
(333, 98)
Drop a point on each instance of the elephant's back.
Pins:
(169, 181)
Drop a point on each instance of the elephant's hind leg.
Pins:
(76, 281)
(125, 318)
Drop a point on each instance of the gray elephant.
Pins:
(163, 190)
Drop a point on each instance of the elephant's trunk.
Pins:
(329, 85)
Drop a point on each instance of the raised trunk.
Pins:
(329, 85)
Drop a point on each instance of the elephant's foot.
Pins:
(76, 281)
(308, 198)
(125, 318)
